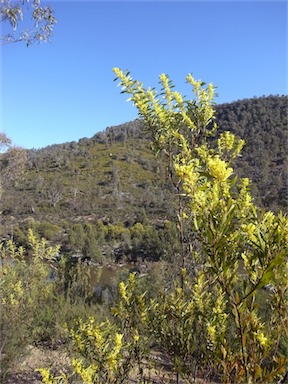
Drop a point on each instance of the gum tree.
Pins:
(12, 164)
(27, 21)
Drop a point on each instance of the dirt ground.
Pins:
(55, 360)
(36, 358)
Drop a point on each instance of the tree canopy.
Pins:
(28, 21)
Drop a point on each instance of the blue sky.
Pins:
(64, 90)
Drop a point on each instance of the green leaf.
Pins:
(233, 182)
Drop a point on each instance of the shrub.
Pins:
(240, 248)
(24, 295)
(214, 319)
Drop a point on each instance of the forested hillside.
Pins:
(199, 253)
(114, 176)
(262, 123)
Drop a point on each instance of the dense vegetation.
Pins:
(97, 189)
(214, 300)
(262, 123)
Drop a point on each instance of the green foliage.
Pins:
(139, 242)
(12, 164)
(188, 323)
(86, 172)
(13, 12)
(76, 237)
(223, 317)
(228, 227)
(146, 243)
(34, 307)
(262, 123)
(213, 320)
(107, 352)
(48, 231)
(131, 308)
(106, 357)
(24, 294)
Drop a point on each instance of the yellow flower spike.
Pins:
(118, 340)
(165, 82)
(151, 94)
(226, 141)
(204, 95)
(250, 231)
(229, 145)
(263, 340)
(122, 290)
(218, 168)
(211, 329)
(46, 375)
(195, 84)
(203, 152)
(136, 338)
(177, 96)
(211, 91)
(179, 290)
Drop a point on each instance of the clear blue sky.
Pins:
(64, 90)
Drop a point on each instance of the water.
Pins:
(106, 275)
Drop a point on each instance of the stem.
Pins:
(244, 355)
(181, 235)
(177, 186)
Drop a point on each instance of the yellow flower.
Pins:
(250, 230)
(211, 91)
(178, 97)
(118, 340)
(211, 329)
(19, 288)
(46, 376)
(200, 199)
(136, 338)
(218, 168)
(86, 374)
(122, 289)
(13, 301)
(263, 340)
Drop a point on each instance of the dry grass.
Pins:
(25, 370)
(156, 372)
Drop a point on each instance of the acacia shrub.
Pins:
(210, 321)
(25, 295)
(239, 249)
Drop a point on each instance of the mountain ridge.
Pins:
(114, 176)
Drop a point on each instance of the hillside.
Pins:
(262, 123)
(114, 177)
